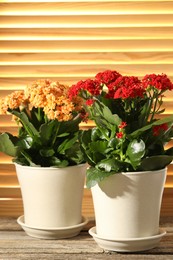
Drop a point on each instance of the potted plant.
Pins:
(127, 156)
(48, 159)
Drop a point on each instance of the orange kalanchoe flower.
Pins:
(61, 109)
(52, 97)
(12, 101)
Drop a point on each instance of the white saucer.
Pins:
(127, 245)
(52, 233)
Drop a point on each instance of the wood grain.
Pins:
(108, 7)
(15, 244)
(87, 21)
(158, 32)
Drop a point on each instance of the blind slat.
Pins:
(87, 58)
(61, 46)
(87, 21)
(81, 8)
(81, 70)
(52, 34)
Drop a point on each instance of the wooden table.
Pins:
(15, 244)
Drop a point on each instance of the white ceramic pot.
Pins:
(52, 197)
(127, 205)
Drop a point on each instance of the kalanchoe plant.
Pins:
(48, 126)
(130, 133)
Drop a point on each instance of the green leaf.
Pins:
(102, 124)
(147, 127)
(113, 142)
(85, 138)
(56, 162)
(47, 152)
(88, 156)
(7, 144)
(135, 151)
(98, 146)
(75, 154)
(96, 134)
(48, 131)
(28, 159)
(70, 126)
(63, 135)
(94, 176)
(66, 144)
(30, 129)
(106, 113)
(109, 165)
(155, 162)
(25, 143)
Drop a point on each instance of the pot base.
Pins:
(52, 233)
(127, 245)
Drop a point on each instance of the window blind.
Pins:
(72, 40)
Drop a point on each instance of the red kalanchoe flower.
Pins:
(159, 128)
(123, 125)
(89, 102)
(107, 76)
(90, 85)
(119, 135)
(128, 87)
(161, 82)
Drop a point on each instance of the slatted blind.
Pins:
(72, 40)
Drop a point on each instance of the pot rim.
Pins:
(46, 168)
(143, 172)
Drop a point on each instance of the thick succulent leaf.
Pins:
(96, 134)
(7, 144)
(106, 113)
(135, 151)
(25, 143)
(88, 156)
(98, 146)
(48, 131)
(70, 126)
(67, 144)
(85, 138)
(47, 152)
(155, 162)
(94, 176)
(102, 123)
(56, 162)
(29, 127)
(113, 142)
(147, 127)
(109, 165)
(74, 154)
(28, 159)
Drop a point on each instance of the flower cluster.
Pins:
(50, 96)
(48, 125)
(124, 95)
(113, 85)
(12, 101)
(130, 134)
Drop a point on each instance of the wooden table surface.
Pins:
(15, 244)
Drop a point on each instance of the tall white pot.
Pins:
(127, 205)
(52, 197)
